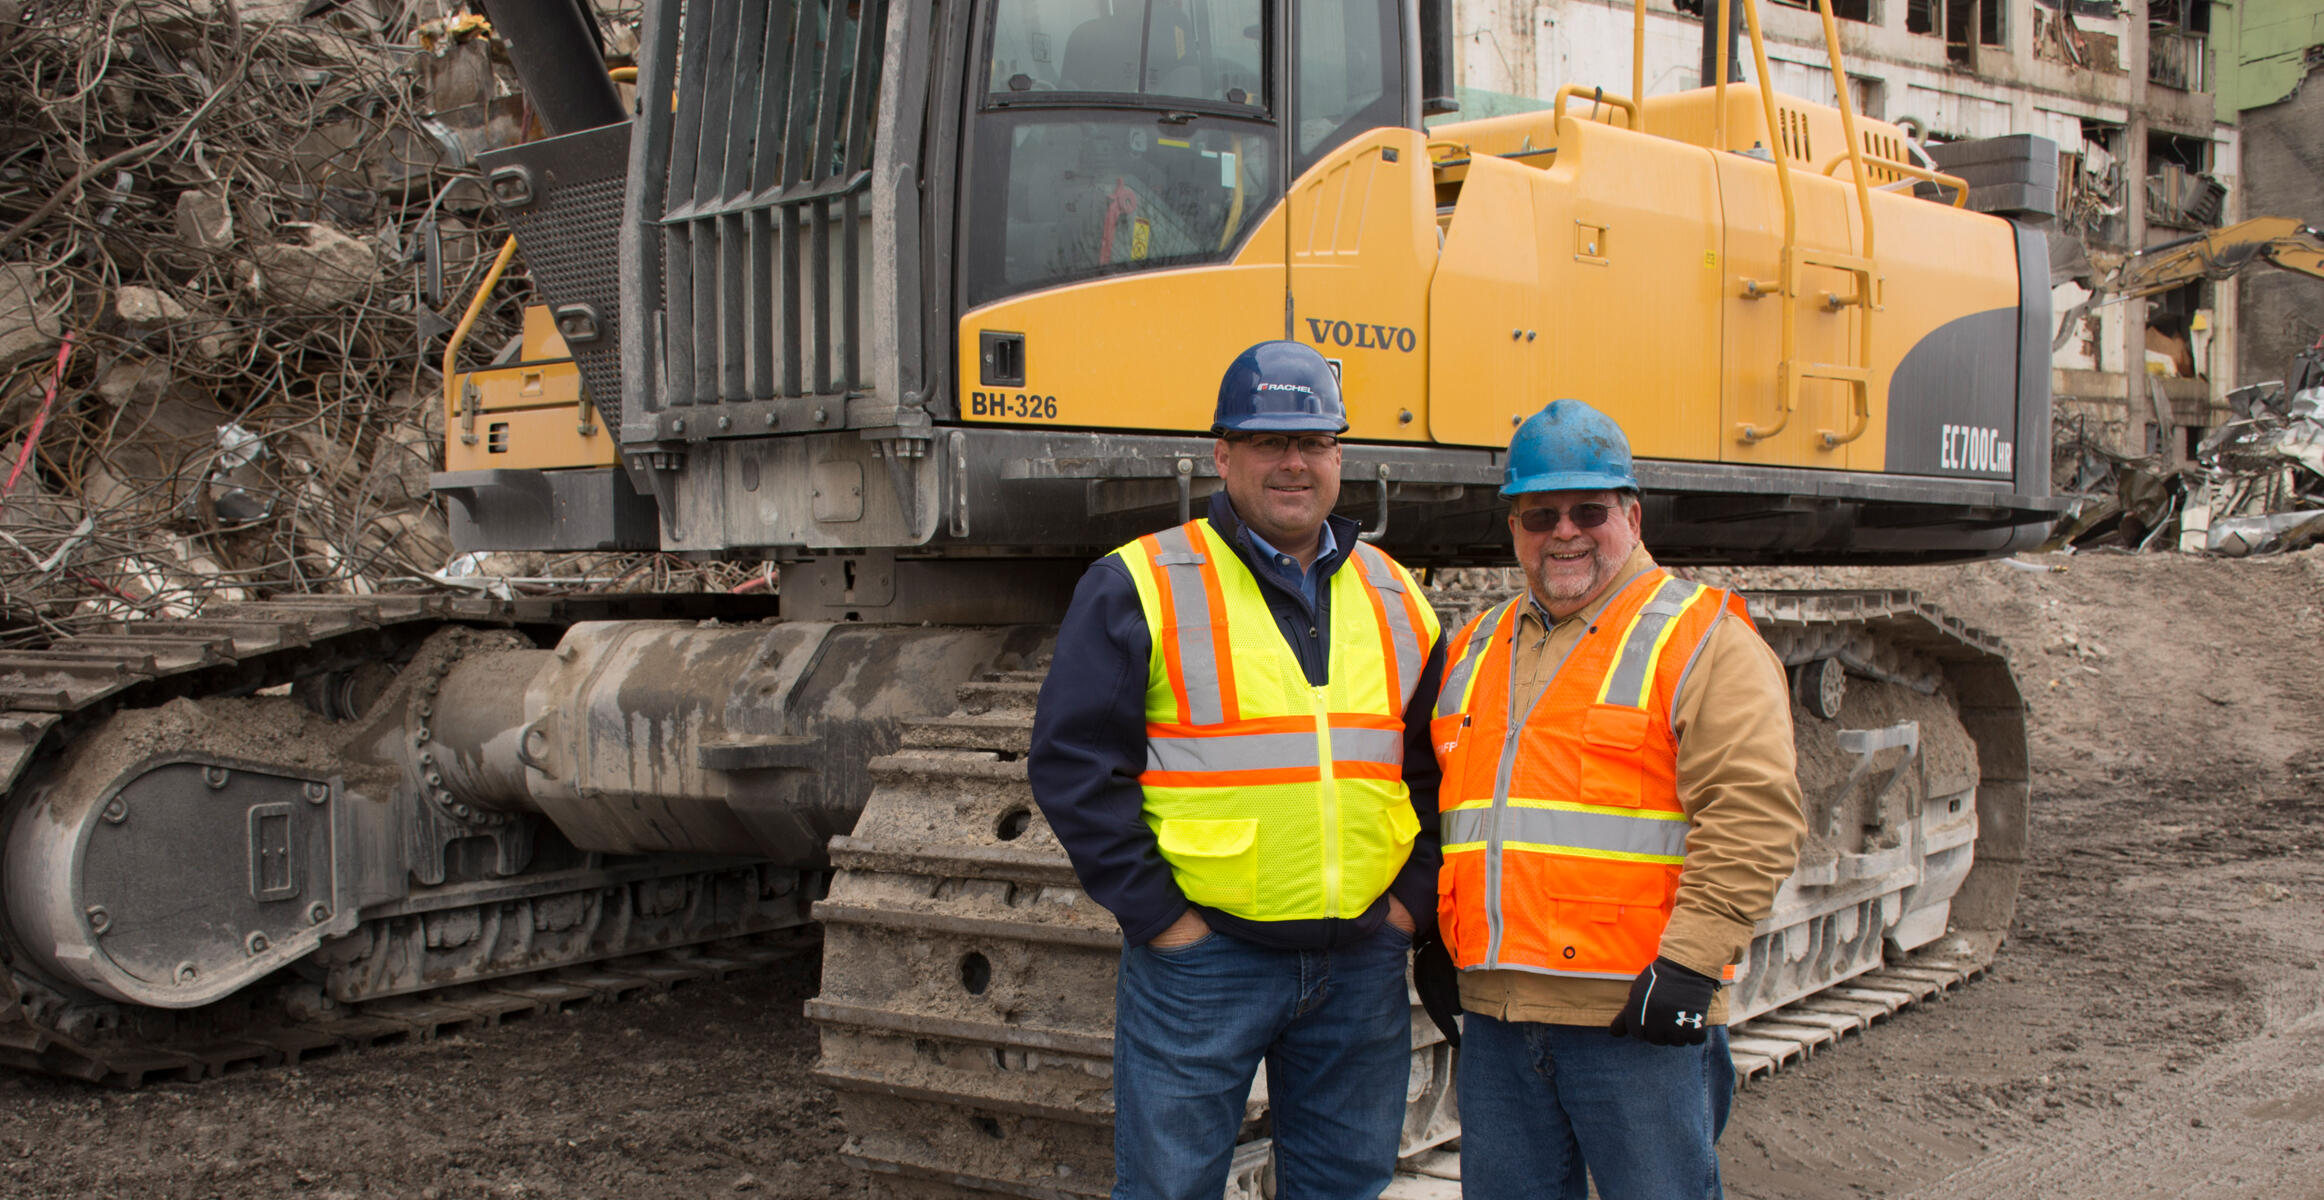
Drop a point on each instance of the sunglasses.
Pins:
(1584, 516)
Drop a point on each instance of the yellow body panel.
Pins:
(1363, 247)
(1811, 133)
(1139, 351)
(1589, 273)
(527, 415)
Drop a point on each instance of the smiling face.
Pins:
(1284, 496)
(1569, 567)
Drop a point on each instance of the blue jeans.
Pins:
(1540, 1104)
(1191, 1026)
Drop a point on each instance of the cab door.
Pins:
(1361, 236)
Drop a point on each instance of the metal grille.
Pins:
(766, 175)
(562, 198)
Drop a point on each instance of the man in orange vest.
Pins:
(1233, 749)
(1619, 805)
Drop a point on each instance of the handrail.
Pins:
(1786, 286)
(1638, 59)
(1959, 185)
(467, 322)
(1726, 68)
(1860, 394)
(1628, 106)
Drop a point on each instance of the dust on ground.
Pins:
(2151, 1028)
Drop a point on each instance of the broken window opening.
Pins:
(1846, 10)
(1964, 24)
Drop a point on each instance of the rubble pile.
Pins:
(2255, 485)
(233, 238)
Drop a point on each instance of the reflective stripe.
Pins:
(1642, 644)
(1624, 976)
(1573, 829)
(1265, 751)
(1457, 678)
(1199, 668)
(1390, 601)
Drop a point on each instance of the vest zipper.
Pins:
(1514, 727)
(1327, 794)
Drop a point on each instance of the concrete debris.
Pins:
(2256, 485)
(205, 219)
(148, 306)
(326, 269)
(30, 315)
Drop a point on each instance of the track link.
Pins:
(50, 695)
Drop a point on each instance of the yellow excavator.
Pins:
(922, 305)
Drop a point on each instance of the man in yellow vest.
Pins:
(1232, 745)
(1619, 805)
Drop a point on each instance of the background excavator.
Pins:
(2217, 254)
(922, 304)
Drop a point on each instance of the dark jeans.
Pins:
(1540, 1104)
(1192, 1025)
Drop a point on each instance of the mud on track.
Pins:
(2151, 1028)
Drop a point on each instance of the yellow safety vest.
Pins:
(1273, 799)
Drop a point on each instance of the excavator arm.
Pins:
(2219, 254)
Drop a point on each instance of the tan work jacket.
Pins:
(1737, 782)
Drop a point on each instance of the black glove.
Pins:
(1668, 1006)
(1439, 985)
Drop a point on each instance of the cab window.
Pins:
(1065, 196)
(1184, 49)
(1350, 73)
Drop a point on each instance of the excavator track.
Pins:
(968, 983)
(53, 695)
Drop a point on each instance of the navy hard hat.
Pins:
(1568, 447)
(1279, 387)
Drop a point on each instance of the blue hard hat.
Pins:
(1279, 387)
(1568, 447)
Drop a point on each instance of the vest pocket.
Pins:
(1216, 860)
(1403, 823)
(1613, 736)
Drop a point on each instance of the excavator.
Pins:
(921, 306)
(2217, 255)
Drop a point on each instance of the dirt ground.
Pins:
(2151, 1028)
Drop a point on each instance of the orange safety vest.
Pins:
(1271, 798)
(1563, 834)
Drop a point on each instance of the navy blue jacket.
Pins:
(1089, 746)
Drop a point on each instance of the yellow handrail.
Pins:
(1638, 59)
(1959, 185)
(1628, 106)
(1861, 394)
(1719, 99)
(468, 321)
(1788, 277)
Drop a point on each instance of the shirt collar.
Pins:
(1326, 545)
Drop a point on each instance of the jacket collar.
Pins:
(1230, 525)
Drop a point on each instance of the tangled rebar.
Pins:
(230, 236)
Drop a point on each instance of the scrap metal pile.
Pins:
(232, 240)
(2255, 485)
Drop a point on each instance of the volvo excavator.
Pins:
(921, 304)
